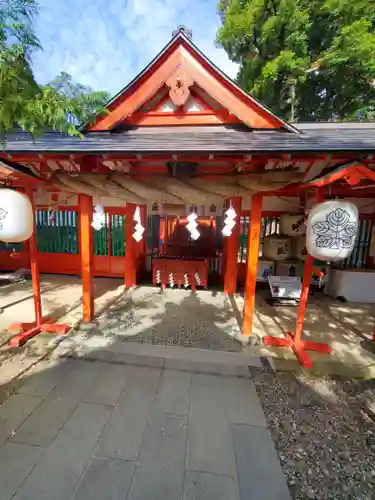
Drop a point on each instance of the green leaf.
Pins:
(305, 59)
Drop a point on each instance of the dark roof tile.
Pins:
(214, 139)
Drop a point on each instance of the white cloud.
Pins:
(105, 43)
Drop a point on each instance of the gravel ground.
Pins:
(175, 317)
(324, 431)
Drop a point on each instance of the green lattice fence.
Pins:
(110, 240)
(57, 233)
(358, 257)
(118, 235)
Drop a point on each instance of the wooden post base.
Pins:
(299, 348)
(22, 327)
(24, 336)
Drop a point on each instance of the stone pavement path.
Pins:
(91, 430)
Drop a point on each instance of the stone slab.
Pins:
(229, 370)
(48, 376)
(108, 387)
(243, 403)
(165, 441)
(138, 360)
(259, 472)
(14, 411)
(188, 353)
(201, 486)
(43, 425)
(105, 479)
(173, 396)
(157, 482)
(123, 435)
(16, 463)
(58, 472)
(210, 447)
(160, 473)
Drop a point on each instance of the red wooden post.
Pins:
(231, 248)
(29, 330)
(307, 274)
(34, 266)
(130, 247)
(86, 248)
(252, 263)
(293, 339)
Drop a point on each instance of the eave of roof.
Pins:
(210, 139)
(15, 168)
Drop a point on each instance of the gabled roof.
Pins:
(182, 57)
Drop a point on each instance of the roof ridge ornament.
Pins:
(179, 84)
(184, 30)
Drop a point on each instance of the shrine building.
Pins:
(144, 193)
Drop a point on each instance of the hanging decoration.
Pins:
(276, 247)
(292, 224)
(51, 216)
(192, 226)
(229, 221)
(299, 251)
(16, 216)
(331, 230)
(139, 229)
(98, 219)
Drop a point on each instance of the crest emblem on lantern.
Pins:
(331, 230)
(3, 214)
(337, 231)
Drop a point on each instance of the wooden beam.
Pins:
(249, 112)
(188, 118)
(231, 248)
(137, 94)
(130, 247)
(86, 247)
(252, 263)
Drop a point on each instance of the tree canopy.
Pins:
(23, 102)
(305, 59)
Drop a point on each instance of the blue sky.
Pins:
(105, 43)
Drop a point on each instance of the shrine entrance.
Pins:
(174, 259)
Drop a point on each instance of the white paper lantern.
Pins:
(277, 247)
(299, 250)
(331, 230)
(16, 216)
(292, 224)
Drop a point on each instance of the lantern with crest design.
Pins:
(16, 216)
(331, 230)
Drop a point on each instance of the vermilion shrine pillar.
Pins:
(252, 263)
(86, 248)
(34, 266)
(231, 250)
